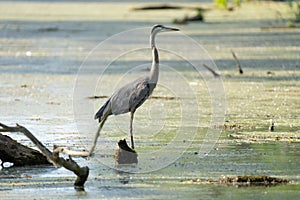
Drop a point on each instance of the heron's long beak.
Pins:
(171, 29)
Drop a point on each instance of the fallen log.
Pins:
(198, 17)
(18, 154)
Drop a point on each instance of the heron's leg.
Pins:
(131, 134)
(96, 136)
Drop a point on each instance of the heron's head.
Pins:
(160, 28)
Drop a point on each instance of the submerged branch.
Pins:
(211, 70)
(237, 62)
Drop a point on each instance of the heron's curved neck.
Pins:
(154, 72)
(152, 40)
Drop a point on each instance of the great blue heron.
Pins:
(131, 96)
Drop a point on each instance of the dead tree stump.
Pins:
(18, 154)
(124, 154)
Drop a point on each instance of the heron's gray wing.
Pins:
(130, 96)
(140, 94)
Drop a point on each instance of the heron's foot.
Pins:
(91, 154)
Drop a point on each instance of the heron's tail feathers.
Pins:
(103, 112)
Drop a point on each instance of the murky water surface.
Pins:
(167, 183)
(41, 55)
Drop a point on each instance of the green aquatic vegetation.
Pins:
(295, 8)
(221, 3)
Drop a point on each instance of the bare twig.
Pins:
(211, 70)
(81, 172)
(238, 62)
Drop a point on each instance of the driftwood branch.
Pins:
(237, 62)
(81, 172)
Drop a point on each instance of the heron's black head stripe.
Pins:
(156, 26)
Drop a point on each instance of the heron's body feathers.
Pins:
(127, 99)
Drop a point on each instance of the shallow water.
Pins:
(225, 160)
(39, 76)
